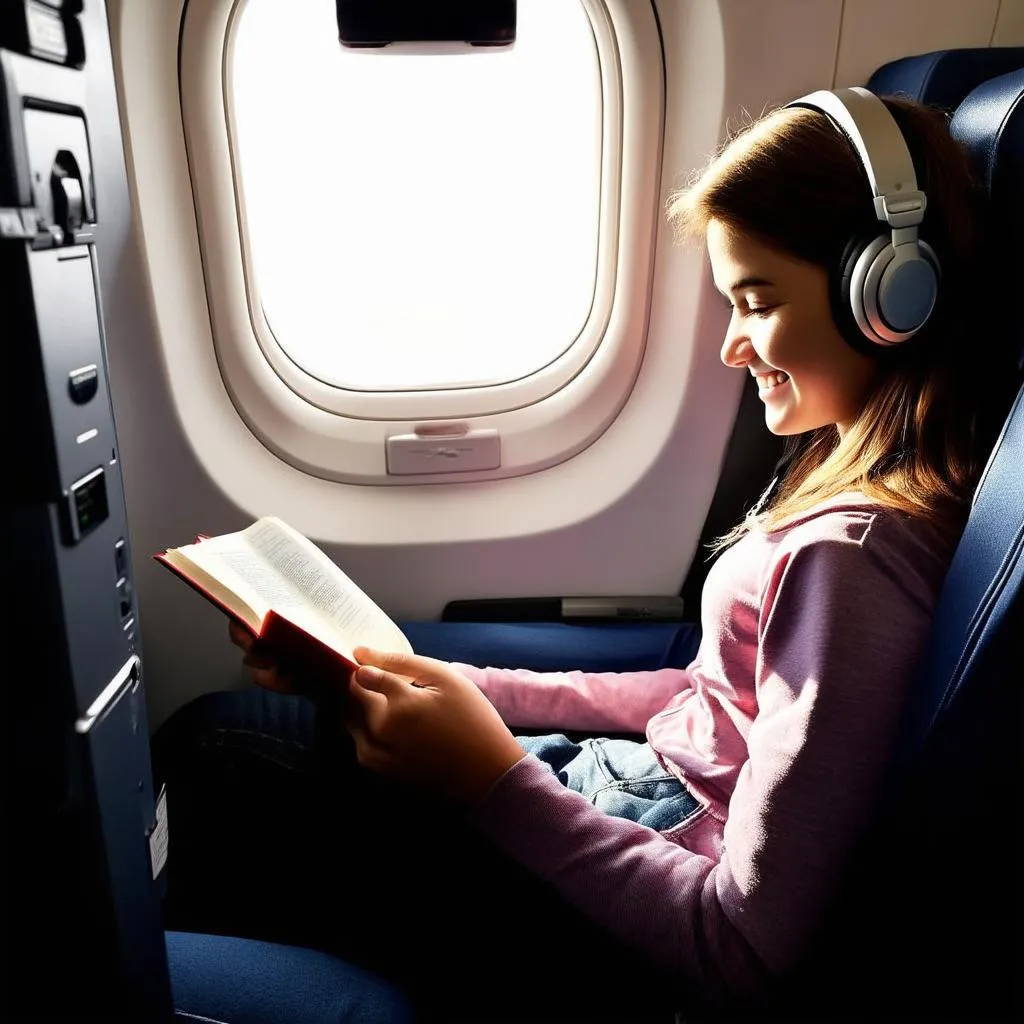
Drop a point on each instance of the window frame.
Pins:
(543, 418)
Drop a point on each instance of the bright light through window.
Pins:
(419, 221)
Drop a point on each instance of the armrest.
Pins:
(558, 646)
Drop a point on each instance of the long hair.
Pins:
(792, 181)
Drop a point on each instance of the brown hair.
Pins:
(794, 182)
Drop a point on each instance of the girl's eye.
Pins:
(747, 310)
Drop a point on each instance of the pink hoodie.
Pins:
(781, 727)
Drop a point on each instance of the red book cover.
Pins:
(298, 652)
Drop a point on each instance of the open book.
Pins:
(281, 587)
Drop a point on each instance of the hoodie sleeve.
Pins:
(602, 701)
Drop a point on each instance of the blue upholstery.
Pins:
(990, 126)
(273, 984)
(982, 590)
(944, 77)
(555, 646)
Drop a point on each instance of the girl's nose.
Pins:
(736, 348)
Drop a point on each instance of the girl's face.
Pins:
(783, 333)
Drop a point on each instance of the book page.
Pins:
(212, 571)
(303, 584)
(229, 569)
(271, 565)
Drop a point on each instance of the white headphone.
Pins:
(890, 282)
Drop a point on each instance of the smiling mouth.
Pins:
(770, 381)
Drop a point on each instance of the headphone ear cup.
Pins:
(908, 289)
(885, 296)
(893, 290)
(840, 294)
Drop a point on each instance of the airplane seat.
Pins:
(927, 926)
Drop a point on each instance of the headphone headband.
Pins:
(862, 115)
(890, 285)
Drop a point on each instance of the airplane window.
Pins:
(397, 238)
(418, 221)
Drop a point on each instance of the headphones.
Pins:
(888, 283)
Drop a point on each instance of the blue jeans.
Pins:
(621, 777)
(277, 834)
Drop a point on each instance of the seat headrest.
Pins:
(990, 124)
(943, 78)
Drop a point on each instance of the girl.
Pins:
(690, 865)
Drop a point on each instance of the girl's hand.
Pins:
(420, 721)
(265, 671)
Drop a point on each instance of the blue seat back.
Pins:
(926, 918)
(982, 592)
(943, 78)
